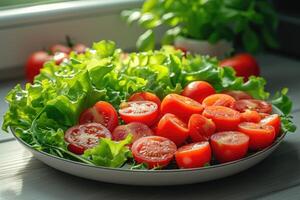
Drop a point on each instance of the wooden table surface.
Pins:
(278, 177)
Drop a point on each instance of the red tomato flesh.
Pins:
(155, 151)
(253, 104)
(261, 136)
(103, 113)
(238, 95)
(200, 128)
(229, 145)
(193, 155)
(198, 90)
(137, 130)
(225, 119)
(250, 116)
(219, 100)
(173, 128)
(145, 96)
(79, 48)
(272, 120)
(85, 136)
(145, 112)
(181, 106)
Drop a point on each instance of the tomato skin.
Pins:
(56, 48)
(193, 155)
(244, 65)
(261, 136)
(137, 130)
(145, 96)
(34, 64)
(79, 48)
(145, 112)
(250, 116)
(173, 128)
(229, 145)
(59, 57)
(154, 151)
(225, 119)
(253, 104)
(273, 120)
(237, 94)
(200, 128)
(102, 112)
(198, 90)
(181, 106)
(219, 100)
(85, 136)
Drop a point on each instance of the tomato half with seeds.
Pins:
(250, 116)
(144, 112)
(225, 119)
(85, 136)
(102, 112)
(171, 127)
(193, 155)
(181, 106)
(261, 136)
(253, 104)
(238, 95)
(229, 145)
(201, 128)
(137, 130)
(145, 96)
(219, 100)
(155, 151)
(273, 120)
(198, 90)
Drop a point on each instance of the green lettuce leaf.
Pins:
(109, 153)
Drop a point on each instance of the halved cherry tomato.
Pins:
(139, 111)
(193, 155)
(261, 136)
(253, 104)
(272, 120)
(200, 128)
(250, 116)
(173, 128)
(229, 145)
(137, 130)
(181, 106)
(238, 95)
(225, 119)
(145, 96)
(219, 100)
(60, 48)
(85, 136)
(103, 113)
(198, 90)
(155, 151)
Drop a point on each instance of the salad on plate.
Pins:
(160, 109)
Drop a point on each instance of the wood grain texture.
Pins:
(22, 177)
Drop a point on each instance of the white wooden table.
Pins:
(278, 177)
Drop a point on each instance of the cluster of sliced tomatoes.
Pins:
(193, 127)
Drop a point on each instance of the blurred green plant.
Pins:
(251, 22)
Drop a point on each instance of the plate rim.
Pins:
(276, 142)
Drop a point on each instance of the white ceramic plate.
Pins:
(153, 177)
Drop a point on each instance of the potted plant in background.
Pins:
(211, 27)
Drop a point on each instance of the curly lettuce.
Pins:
(41, 112)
